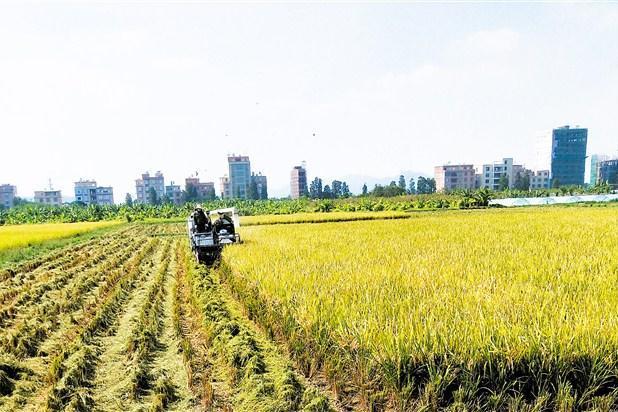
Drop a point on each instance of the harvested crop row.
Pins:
(53, 280)
(38, 321)
(211, 393)
(59, 256)
(262, 379)
(73, 368)
(144, 337)
(25, 275)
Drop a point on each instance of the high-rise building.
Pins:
(7, 195)
(205, 190)
(451, 177)
(239, 175)
(261, 186)
(298, 182)
(143, 186)
(568, 156)
(48, 197)
(608, 173)
(224, 187)
(174, 193)
(87, 192)
(595, 159)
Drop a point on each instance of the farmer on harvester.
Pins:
(201, 220)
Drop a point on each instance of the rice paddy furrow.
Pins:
(72, 371)
(40, 320)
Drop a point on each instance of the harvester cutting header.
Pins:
(207, 237)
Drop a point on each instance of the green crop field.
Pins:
(461, 310)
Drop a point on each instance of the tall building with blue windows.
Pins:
(608, 173)
(239, 176)
(568, 156)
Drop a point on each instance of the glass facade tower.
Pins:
(568, 156)
(239, 176)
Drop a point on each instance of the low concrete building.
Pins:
(452, 177)
(7, 195)
(87, 192)
(143, 186)
(261, 185)
(48, 197)
(540, 179)
(205, 190)
(224, 187)
(174, 193)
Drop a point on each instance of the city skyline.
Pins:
(108, 91)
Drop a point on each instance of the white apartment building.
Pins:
(489, 175)
(540, 179)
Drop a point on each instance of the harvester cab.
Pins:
(207, 238)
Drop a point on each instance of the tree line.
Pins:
(422, 186)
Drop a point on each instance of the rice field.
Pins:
(492, 310)
(27, 235)
(502, 310)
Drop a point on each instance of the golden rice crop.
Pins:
(24, 235)
(491, 309)
(321, 217)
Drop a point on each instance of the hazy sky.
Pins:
(108, 90)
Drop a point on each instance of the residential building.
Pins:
(7, 195)
(451, 177)
(105, 195)
(87, 192)
(239, 175)
(205, 190)
(174, 193)
(491, 175)
(48, 197)
(608, 173)
(224, 187)
(261, 185)
(595, 159)
(540, 179)
(568, 156)
(298, 182)
(143, 185)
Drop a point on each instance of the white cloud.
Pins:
(488, 43)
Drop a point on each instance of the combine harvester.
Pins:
(207, 237)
